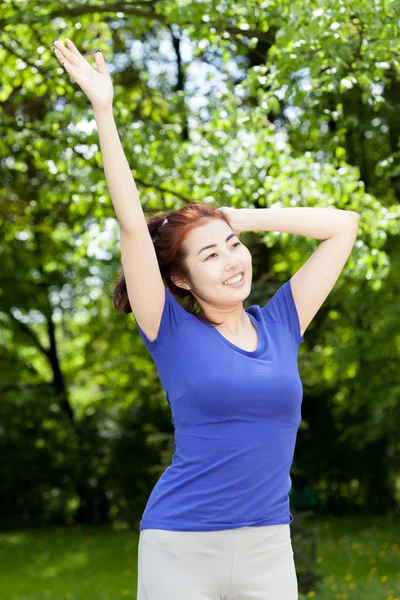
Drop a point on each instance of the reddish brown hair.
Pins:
(168, 242)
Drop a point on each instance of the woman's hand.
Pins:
(233, 215)
(96, 84)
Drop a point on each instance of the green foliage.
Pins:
(302, 110)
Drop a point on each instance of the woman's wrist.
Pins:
(102, 113)
(247, 219)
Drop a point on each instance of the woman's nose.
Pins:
(232, 264)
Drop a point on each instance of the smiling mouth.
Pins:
(238, 281)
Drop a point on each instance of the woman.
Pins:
(217, 523)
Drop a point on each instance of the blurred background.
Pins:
(256, 103)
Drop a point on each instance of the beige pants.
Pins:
(249, 563)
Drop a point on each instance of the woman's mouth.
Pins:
(235, 281)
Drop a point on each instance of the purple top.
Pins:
(236, 414)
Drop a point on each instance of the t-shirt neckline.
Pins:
(260, 336)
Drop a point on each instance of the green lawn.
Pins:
(359, 558)
(68, 564)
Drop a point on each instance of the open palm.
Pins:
(96, 84)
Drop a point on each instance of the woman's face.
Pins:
(215, 255)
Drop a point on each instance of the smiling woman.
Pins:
(195, 277)
(235, 398)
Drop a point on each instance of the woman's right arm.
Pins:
(139, 261)
(120, 183)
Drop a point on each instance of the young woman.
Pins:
(217, 523)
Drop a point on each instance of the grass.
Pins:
(78, 563)
(358, 557)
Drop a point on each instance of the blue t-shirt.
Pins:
(236, 414)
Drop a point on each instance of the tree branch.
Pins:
(163, 190)
(113, 7)
(28, 331)
(263, 36)
(23, 57)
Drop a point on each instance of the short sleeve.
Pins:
(172, 317)
(281, 307)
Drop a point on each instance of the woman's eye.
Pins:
(214, 253)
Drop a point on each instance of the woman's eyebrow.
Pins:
(215, 245)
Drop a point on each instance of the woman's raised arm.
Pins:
(97, 86)
(142, 274)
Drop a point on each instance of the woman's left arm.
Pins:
(313, 282)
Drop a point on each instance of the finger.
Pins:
(74, 60)
(59, 55)
(75, 50)
(72, 71)
(100, 62)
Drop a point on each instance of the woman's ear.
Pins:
(180, 282)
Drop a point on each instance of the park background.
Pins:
(255, 103)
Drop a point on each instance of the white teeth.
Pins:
(234, 279)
